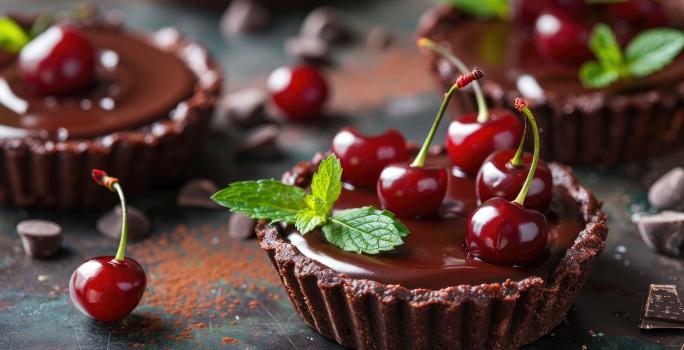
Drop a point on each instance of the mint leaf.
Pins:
(365, 230)
(12, 35)
(483, 8)
(314, 215)
(652, 50)
(263, 199)
(326, 183)
(603, 44)
(594, 75)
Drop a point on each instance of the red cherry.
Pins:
(107, 289)
(560, 38)
(636, 13)
(58, 61)
(299, 91)
(527, 11)
(469, 142)
(363, 157)
(498, 177)
(504, 232)
(412, 192)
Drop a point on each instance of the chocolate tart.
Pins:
(578, 125)
(143, 119)
(385, 302)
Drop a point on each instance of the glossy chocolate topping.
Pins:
(137, 84)
(434, 255)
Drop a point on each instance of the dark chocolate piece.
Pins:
(310, 49)
(379, 38)
(40, 238)
(668, 191)
(138, 224)
(325, 23)
(261, 143)
(244, 16)
(241, 227)
(245, 108)
(662, 308)
(663, 232)
(197, 193)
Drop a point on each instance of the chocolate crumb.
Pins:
(668, 191)
(379, 38)
(261, 143)
(109, 224)
(663, 232)
(662, 308)
(244, 16)
(245, 108)
(325, 23)
(40, 238)
(241, 227)
(197, 193)
(310, 49)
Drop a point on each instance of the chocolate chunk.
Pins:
(197, 194)
(40, 238)
(668, 191)
(261, 143)
(310, 49)
(240, 226)
(245, 108)
(662, 308)
(244, 16)
(379, 38)
(326, 24)
(138, 224)
(663, 232)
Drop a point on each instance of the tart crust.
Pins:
(55, 174)
(365, 314)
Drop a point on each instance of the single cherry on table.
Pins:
(363, 157)
(107, 288)
(560, 38)
(416, 190)
(501, 231)
(300, 91)
(59, 61)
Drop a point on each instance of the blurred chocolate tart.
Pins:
(143, 116)
(429, 293)
(579, 125)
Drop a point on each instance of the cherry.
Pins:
(527, 11)
(558, 37)
(107, 288)
(58, 61)
(636, 13)
(363, 157)
(417, 190)
(504, 232)
(299, 91)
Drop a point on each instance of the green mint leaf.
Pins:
(365, 230)
(594, 75)
(12, 35)
(263, 199)
(326, 183)
(603, 44)
(653, 49)
(314, 215)
(483, 8)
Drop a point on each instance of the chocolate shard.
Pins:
(310, 49)
(326, 24)
(41, 238)
(663, 232)
(109, 224)
(244, 16)
(245, 108)
(261, 142)
(668, 191)
(197, 193)
(241, 227)
(662, 308)
(379, 38)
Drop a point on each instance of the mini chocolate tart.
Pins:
(428, 293)
(144, 116)
(578, 125)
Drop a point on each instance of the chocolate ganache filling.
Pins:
(434, 255)
(136, 85)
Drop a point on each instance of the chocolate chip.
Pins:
(240, 226)
(197, 194)
(109, 224)
(663, 232)
(668, 191)
(662, 308)
(310, 49)
(244, 16)
(261, 142)
(245, 108)
(379, 38)
(40, 238)
(326, 24)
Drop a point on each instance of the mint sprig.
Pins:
(649, 52)
(12, 35)
(361, 230)
(483, 8)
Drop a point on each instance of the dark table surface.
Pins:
(372, 89)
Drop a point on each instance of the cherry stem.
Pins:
(482, 109)
(462, 81)
(521, 105)
(112, 184)
(517, 158)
